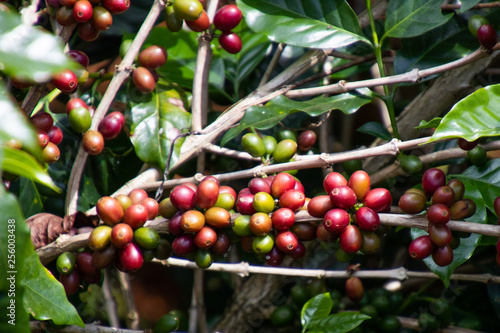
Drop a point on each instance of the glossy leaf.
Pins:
(15, 126)
(156, 122)
(481, 185)
(475, 116)
(376, 129)
(433, 123)
(320, 24)
(316, 308)
(30, 197)
(438, 46)
(44, 296)
(23, 164)
(465, 5)
(13, 267)
(406, 18)
(339, 322)
(182, 49)
(269, 115)
(29, 52)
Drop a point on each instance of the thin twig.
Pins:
(214, 149)
(42, 327)
(109, 302)
(122, 72)
(478, 6)
(245, 269)
(272, 64)
(132, 314)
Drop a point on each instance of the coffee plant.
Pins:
(249, 166)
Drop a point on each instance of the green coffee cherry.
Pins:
(65, 263)
(284, 151)
(270, 143)
(253, 144)
(189, 10)
(146, 238)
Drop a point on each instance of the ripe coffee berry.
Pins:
(421, 247)
(458, 188)
(92, 142)
(319, 205)
(143, 80)
(431, 180)
(205, 238)
(110, 127)
(306, 140)
(135, 215)
(43, 138)
(487, 36)
(274, 257)
(282, 183)
(223, 243)
(116, 6)
(66, 81)
(343, 197)
(101, 18)
(182, 197)
(467, 145)
(202, 23)
(412, 203)
(350, 240)
(354, 289)
(217, 217)
(230, 42)
(293, 199)
(152, 57)
(192, 221)
(50, 153)
(378, 199)
(82, 11)
(283, 219)
(121, 235)
(443, 256)
(227, 18)
(183, 245)
(444, 195)
(286, 241)
(333, 180)
(438, 214)
(440, 235)
(55, 135)
(109, 210)
(360, 183)
(367, 219)
(336, 220)
(260, 224)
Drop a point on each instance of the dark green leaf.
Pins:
(29, 52)
(441, 45)
(376, 129)
(433, 123)
(320, 24)
(30, 197)
(156, 122)
(12, 264)
(44, 296)
(466, 5)
(269, 115)
(481, 185)
(475, 116)
(15, 126)
(23, 164)
(316, 308)
(410, 18)
(338, 323)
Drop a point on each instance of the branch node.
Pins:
(415, 75)
(342, 84)
(199, 177)
(394, 144)
(323, 157)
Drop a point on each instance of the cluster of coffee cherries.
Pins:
(485, 32)
(268, 147)
(446, 202)
(148, 60)
(123, 239)
(77, 270)
(92, 17)
(196, 18)
(350, 211)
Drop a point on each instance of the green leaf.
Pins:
(376, 129)
(30, 197)
(410, 18)
(23, 164)
(433, 123)
(438, 46)
(475, 116)
(45, 297)
(14, 124)
(156, 122)
(316, 308)
(321, 24)
(339, 322)
(12, 264)
(481, 185)
(30, 52)
(466, 5)
(269, 115)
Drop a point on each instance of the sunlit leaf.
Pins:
(316, 308)
(339, 322)
(433, 123)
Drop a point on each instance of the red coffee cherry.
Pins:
(378, 199)
(43, 138)
(336, 220)
(343, 197)
(421, 247)
(260, 224)
(101, 18)
(174, 225)
(83, 262)
(318, 206)
(360, 183)
(116, 6)
(75, 103)
(496, 206)
(443, 256)
(109, 210)
(283, 219)
(467, 145)
(137, 195)
(121, 235)
(50, 153)
(227, 18)
(202, 23)
(82, 11)
(182, 197)
(306, 140)
(42, 121)
(282, 183)
(367, 219)
(244, 204)
(230, 42)
(143, 80)
(274, 257)
(206, 194)
(431, 180)
(87, 32)
(324, 235)
(259, 185)
(92, 142)
(333, 180)
(55, 135)
(299, 252)
(80, 57)
(217, 217)
(440, 235)
(151, 206)
(205, 238)
(350, 240)
(487, 36)
(130, 257)
(70, 282)
(305, 231)
(222, 245)
(184, 245)
(135, 215)
(110, 126)
(192, 221)
(443, 195)
(286, 241)
(438, 214)
(152, 57)
(458, 188)
(66, 81)
(354, 289)
(292, 199)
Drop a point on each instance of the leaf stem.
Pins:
(377, 46)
